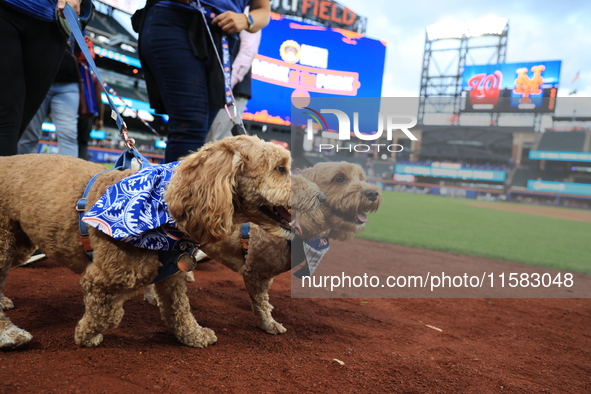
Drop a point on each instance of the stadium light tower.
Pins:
(449, 46)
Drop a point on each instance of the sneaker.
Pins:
(201, 257)
(37, 256)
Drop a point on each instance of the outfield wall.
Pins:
(545, 198)
(437, 190)
(514, 195)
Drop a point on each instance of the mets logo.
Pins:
(526, 86)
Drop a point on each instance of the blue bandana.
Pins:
(315, 250)
(134, 211)
(310, 251)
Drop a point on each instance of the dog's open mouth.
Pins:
(357, 218)
(283, 218)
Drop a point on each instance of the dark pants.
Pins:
(181, 78)
(32, 51)
(84, 129)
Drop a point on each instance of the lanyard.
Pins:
(224, 62)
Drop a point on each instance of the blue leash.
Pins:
(125, 160)
(72, 20)
(167, 258)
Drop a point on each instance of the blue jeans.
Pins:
(61, 103)
(181, 78)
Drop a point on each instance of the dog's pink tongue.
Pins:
(361, 216)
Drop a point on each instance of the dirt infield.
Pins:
(578, 215)
(386, 345)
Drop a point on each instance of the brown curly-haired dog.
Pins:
(342, 216)
(348, 197)
(268, 255)
(231, 181)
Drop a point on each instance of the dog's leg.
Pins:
(150, 291)
(15, 247)
(5, 302)
(176, 313)
(150, 295)
(258, 290)
(190, 277)
(104, 306)
(116, 275)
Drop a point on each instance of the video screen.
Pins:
(511, 87)
(302, 60)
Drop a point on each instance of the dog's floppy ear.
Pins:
(199, 195)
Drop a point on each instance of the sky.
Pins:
(538, 30)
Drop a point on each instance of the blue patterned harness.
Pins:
(133, 210)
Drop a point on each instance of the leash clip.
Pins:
(226, 106)
(129, 142)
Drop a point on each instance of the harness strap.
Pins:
(123, 163)
(172, 261)
(245, 238)
(81, 208)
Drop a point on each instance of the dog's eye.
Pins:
(281, 170)
(339, 179)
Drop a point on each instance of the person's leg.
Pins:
(12, 80)
(181, 79)
(220, 128)
(42, 58)
(35, 49)
(241, 104)
(29, 141)
(84, 128)
(64, 112)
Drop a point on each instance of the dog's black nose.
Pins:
(371, 195)
(321, 198)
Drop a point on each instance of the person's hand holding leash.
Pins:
(231, 22)
(74, 3)
(257, 18)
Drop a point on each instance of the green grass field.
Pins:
(450, 225)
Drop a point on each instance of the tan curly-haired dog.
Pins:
(268, 255)
(348, 197)
(231, 181)
(343, 214)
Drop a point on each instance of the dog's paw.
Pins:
(200, 338)
(150, 295)
(190, 277)
(272, 327)
(14, 337)
(5, 302)
(150, 299)
(94, 341)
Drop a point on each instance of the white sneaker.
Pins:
(201, 257)
(37, 256)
